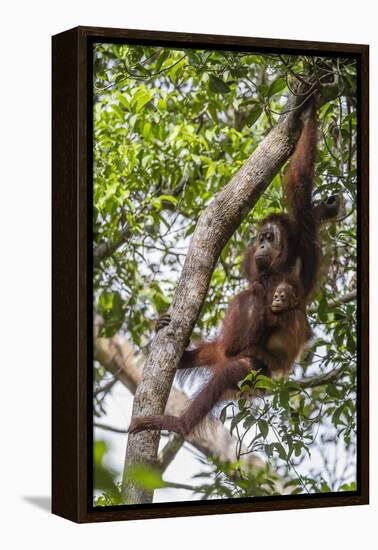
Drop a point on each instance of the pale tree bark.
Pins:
(215, 226)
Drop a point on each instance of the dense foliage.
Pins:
(171, 127)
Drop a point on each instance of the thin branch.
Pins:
(295, 75)
(120, 83)
(108, 428)
(105, 388)
(322, 379)
(103, 250)
(169, 451)
(349, 297)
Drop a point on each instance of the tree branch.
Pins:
(108, 428)
(348, 297)
(314, 381)
(106, 249)
(215, 226)
(169, 451)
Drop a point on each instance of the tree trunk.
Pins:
(215, 226)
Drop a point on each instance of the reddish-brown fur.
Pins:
(286, 331)
(245, 341)
(299, 228)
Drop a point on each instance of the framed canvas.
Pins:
(210, 217)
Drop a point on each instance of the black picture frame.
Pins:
(72, 332)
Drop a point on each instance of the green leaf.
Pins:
(332, 391)
(119, 111)
(147, 478)
(164, 54)
(249, 422)
(99, 450)
(112, 311)
(292, 385)
(161, 302)
(236, 419)
(141, 98)
(325, 487)
(218, 85)
(213, 113)
(281, 451)
(323, 309)
(284, 399)
(349, 486)
(168, 198)
(292, 483)
(277, 86)
(263, 382)
(264, 428)
(146, 130)
(162, 104)
(253, 116)
(263, 89)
